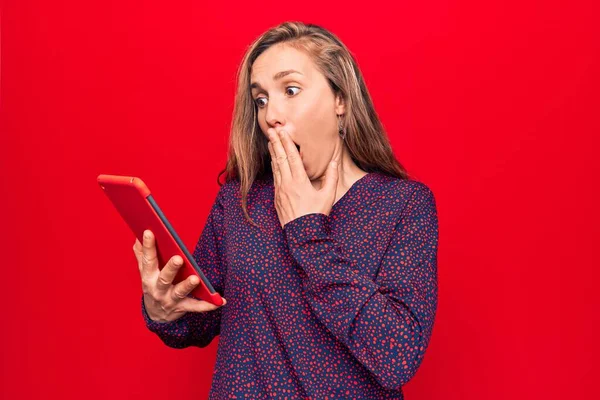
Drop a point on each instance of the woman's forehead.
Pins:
(277, 59)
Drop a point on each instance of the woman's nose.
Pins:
(274, 114)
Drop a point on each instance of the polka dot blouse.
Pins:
(327, 307)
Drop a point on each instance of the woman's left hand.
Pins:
(294, 194)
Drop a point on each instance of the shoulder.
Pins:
(405, 188)
(228, 188)
(408, 193)
(418, 190)
(230, 191)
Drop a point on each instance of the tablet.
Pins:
(132, 199)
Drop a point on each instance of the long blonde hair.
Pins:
(248, 155)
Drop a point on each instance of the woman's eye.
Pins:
(291, 87)
(259, 99)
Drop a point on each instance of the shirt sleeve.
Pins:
(199, 328)
(385, 323)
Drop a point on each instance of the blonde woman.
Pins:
(323, 246)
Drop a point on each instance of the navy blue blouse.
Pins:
(329, 307)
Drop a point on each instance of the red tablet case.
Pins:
(136, 205)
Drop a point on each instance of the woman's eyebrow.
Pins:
(277, 76)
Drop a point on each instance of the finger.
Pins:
(276, 203)
(149, 259)
(168, 273)
(192, 305)
(276, 176)
(331, 179)
(276, 180)
(280, 155)
(293, 157)
(333, 170)
(183, 288)
(274, 166)
(137, 252)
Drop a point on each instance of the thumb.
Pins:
(331, 177)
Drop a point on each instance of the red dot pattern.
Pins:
(327, 307)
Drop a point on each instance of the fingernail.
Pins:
(281, 133)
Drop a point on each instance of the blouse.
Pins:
(337, 306)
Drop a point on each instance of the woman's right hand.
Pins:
(164, 301)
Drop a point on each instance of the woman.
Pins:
(324, 247)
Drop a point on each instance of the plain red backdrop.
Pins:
(494, 106)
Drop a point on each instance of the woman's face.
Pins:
(301, 103)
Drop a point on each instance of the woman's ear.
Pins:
(340, 104)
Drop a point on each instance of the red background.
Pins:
(494, 106)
